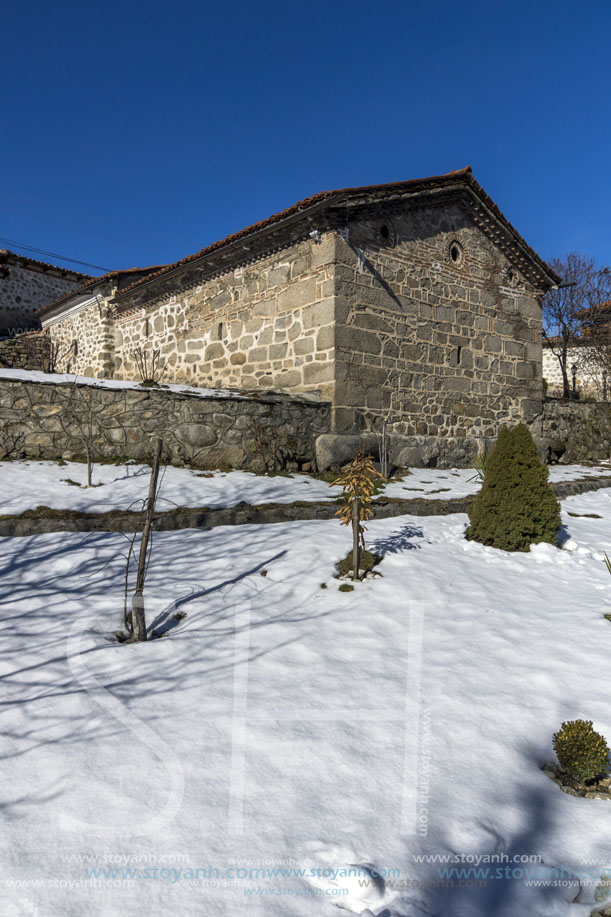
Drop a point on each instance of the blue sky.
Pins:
(136, 133)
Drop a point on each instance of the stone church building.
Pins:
(414, 303)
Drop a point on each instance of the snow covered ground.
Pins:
(286, 726)
(28, 484)
(446, 483)
(27, 375)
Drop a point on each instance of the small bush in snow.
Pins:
(359, 481)
(581, 751)
(516, 506)
(480, 463)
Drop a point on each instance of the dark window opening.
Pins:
(458, 355)
(147, 328)
(219, 332)
(385, 232)
(75, 348)
(455, 253)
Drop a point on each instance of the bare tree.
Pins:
(594, 359)
(268, 445)
(58, 353)
(584, 285)
(82, 419)
(148, 365)
(11, 444)
(138, 617)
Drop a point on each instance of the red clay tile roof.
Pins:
(601, 307)
(456, 177)
(9, 257)
(92, 282)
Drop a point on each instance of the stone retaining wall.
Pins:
(30, 350)
(574, 431)
(42, 420)
(45, 420)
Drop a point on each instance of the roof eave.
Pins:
(68, 301)
(225, 251)
(460, 179)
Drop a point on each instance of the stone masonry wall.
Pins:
(24, 291)
(85, 341)
(265, 325)
(441, 349)
(377, 317)
(571, 431)
(587, 380)
(209, 431)
(30, 350)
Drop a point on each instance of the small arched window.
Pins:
(455, 252)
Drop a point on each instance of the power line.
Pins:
(42, 251)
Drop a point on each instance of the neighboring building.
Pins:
(590, 376)
(413, 302)
(26, 285)
(82, 323)
(586, 381)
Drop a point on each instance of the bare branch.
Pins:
(572, 310)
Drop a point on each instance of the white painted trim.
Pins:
(86, 303)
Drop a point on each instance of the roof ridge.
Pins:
(42, 264)
(303, 204)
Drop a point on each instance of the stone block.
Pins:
(514, 348)
(298, 295)
(214, 351)
(409, 457)
(317, 315)
(325, 339)
(277, 351)
(294, 331)
(304, 345)
(336, 449)
(353, 339)
(526, 370)
(278, 275)
(300, 266)
(314, 373)
(257, 355)
(493, 344)
(264, 309)
(369, 321)
(445, 314)
(196, 434)
(266, 335)
(322, 252)
(219, 301)
(288, 379)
